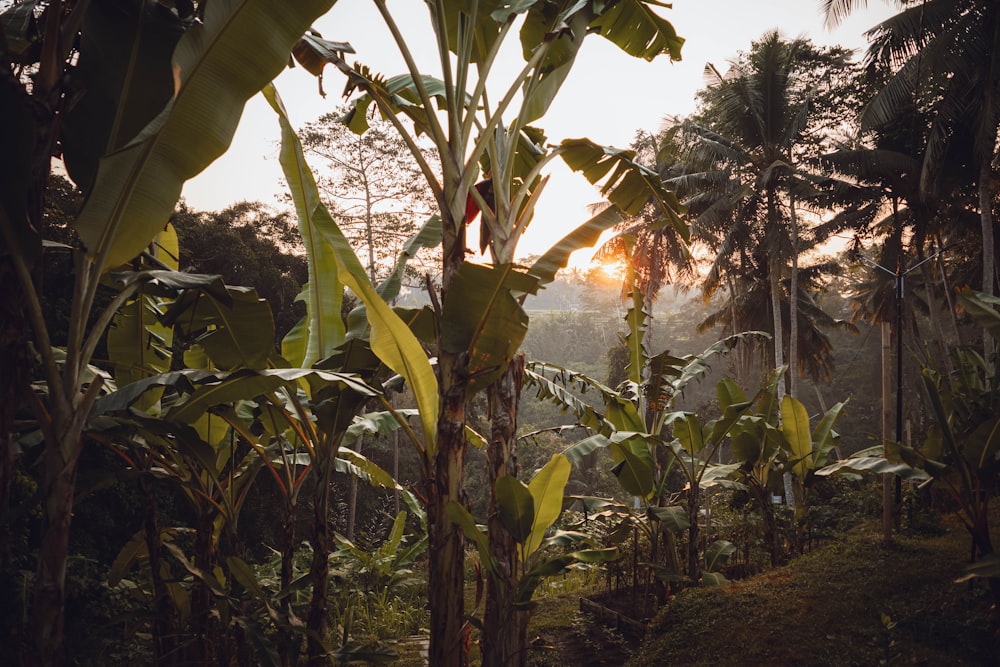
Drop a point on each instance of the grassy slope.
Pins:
(827, 608)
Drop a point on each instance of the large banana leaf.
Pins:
(515, 506)
(481, 316)
(795, 427)
(584, 236)
(323, 328)
(546, 489)
(229, 388)
(218, 65)
(631, 25)
(633, 464)
(124, 73)
(235, 333)
(391, 339)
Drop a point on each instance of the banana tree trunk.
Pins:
(694, 503)
(164, 626)
(505, 629)
(444, 477)
(446, 576)
(59, 486)
(288, 644)
(317, 624)
(14, 362)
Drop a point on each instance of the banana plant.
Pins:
(644, 435)
(493, 164)
(528, 511)
(777, 438)
(160, 96)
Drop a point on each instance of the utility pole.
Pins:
(899, 274)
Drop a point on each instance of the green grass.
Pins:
(855, 601)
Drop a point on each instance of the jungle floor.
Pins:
(853, 602)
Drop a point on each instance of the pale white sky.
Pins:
(607, 97)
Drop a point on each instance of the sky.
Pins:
(607, 97)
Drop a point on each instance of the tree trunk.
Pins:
(14, 362)
(504, 628)
(201, 596)
(288, 642)
(164, 626)
(888, 505)
(443, 478)
(446, 578)
(779, 345)
(986, 215)
(693, 562)
(317, 625)
(793, 306)
(58, 486)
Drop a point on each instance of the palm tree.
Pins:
(945, 57)
(745, 185)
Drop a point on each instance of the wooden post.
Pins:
(888, 500)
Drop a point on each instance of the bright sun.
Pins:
(613, 270)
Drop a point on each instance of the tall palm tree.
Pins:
(945, 58)
(745, 185)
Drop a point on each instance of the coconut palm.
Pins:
(745, 183)
(943, 58)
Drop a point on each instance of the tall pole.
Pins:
(898, 276)
(887, 478)
(899, 370)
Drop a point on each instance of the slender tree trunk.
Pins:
(288, 642)
(14, 362)
(986, 215)
(504, 628)
(779, 344)
(444, 477)
(694, 503)
(317, 624)
(164, 626)
(58, 485)
(793, 306)
(205, 641)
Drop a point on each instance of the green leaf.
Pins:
(135, 549)
(717, 554)
(687, 429)
(244, 574)
(636, 29)
(795, 427)
(237, 334)
(633, 466)
(874, 464)
(546, 489)
(391, 340)
(125, 69)
(224, 388)
(480, 315)
(461, 517)
(673, 517)
(624, 182)
(323, 329)
(218, 65)
(516, 507)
